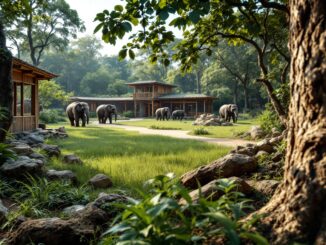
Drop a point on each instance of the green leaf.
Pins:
(162, 4)
(194, 16)
(98, 27)
(164, 14)
(118, 8)
(126, 26)
(122, 53)
(255, 237)
(131, 54)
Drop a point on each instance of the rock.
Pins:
(211, 191)
(72, 210)
(256, 132)
(22, 149)
(66, 175)
(277, 157)
(276, 140)
(3, 212)
(38, 156)
(100, 181)
(228, 166)
(61, 130)
(265, 145)
(52, 231)
(71, 159)
(42, 126)
(266, 187)
(34, 138)
(51, 150)
(21, 167)
(261, 154)
(275, 132)
(207, 120)
(249, 151)
(226, 124)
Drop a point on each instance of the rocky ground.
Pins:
(255, 168)
(210, 120)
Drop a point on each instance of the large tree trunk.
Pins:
(297, 211)
(5, 85)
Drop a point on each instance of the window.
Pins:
(27, 96)
(18, 97)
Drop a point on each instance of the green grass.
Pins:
(214, 131)
(130, 158)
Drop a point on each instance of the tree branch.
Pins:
(275, 5)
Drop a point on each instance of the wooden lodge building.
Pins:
(25, 109)
(150, 95)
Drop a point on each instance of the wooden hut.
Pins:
(26, 78)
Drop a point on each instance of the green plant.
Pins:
(6, 189)
(160, 218)
(200, 131)
(129, 114)
(6, 153)
(52, 116)
(163, 128)
(269, 119)
(51, 195)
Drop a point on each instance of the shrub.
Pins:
(52, 116)
(5, 153)
(160, 218)
(200, 131)
(129, 114)
(269, 119)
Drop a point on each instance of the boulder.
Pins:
(249, 151)
(42, 126)
(51, 150)
(71, 159)
(22, 149)
(256, 132)
(100, 181)
(261, 154)
(72, 210)
(21, 167)
(61, 130)
(226, 124)
(38, 156)
(266, 187)
(211, 191)
(277, 157)
(228, 166)
(66, 175)
(34, 138)
(275, 132)
(3, 212)
(265, 145)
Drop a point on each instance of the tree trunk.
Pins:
(235, 91)
(5, 85)
(297, 211)
(245, 90)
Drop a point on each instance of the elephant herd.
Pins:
(80, 111)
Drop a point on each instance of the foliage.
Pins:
(5, 153)
(160, 218)
(117, 88)
(118, 153)
(200, 131)
(6, 189)
(128, 114)
(163, 128)
(51, 195)
(52, 94)
(269, 120)
(47, 24)
(52, 116)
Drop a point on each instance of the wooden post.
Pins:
(196, 108)
(135, 108)
(152, 108)
(204, 106)
(184, 106)
(125, 106)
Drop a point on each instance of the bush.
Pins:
(52, 116)
(269, 119)
(6, 153)
(200, 131)
(160, 218)
(129, 114)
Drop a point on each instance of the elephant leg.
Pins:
(84, 121)
(104, 120)
(71, 121)
(77, 121)
(110, 118)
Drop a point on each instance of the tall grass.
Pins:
(130, 158)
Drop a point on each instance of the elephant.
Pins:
(105, 111)
(163, 113)
(78, 110)
(229, 111)
(178, 114)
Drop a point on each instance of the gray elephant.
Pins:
(163, 113)
(178, 115)
(229, 111)
(76, 111)
(104, 112)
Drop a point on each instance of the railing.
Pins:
(146, 95)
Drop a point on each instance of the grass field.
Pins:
(130, 158)
(214, 131)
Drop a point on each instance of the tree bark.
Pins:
(245, 90)
(6, 97)
(297, 211)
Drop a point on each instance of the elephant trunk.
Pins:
(115, 116)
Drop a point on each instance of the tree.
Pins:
(186, 82)
(118, 88)
(50, 93)
(8, 11)
(48, 24)
(297, 212)
(251, 22)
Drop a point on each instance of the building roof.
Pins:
(150, 82)
(21, 65)
(185, 96)
(75, 98)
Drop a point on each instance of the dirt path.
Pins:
(180, 134)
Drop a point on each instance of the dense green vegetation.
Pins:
(130, 158)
